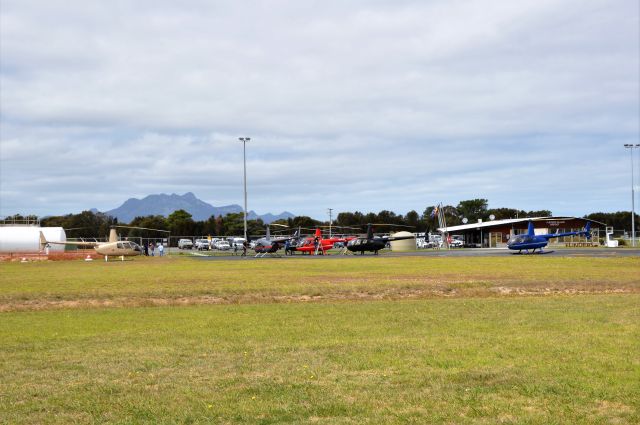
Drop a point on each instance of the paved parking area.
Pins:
(470, 252)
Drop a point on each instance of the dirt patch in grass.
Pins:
(503, 290)
(388, 294)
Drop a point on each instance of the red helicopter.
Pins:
(317, 245)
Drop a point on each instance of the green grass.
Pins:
(543, 360)
(387, 340)
(149, 281)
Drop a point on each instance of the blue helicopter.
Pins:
(533, 241)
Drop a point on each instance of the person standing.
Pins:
(152, 248)
(161, 249)
(244, 248)
(146, 249)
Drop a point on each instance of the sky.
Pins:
(355, 106)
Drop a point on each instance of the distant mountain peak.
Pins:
(163, 204)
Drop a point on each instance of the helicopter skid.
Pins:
(270, 254)
(532, 253)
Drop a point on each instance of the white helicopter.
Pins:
(112, 248)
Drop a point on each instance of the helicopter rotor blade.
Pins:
(339, 227)
(387, 224)
(278, 224)
(141, 228)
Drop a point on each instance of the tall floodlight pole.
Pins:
(638, 149)
(330, 209)
(633, 197)
(244, 141)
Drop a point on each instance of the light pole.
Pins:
(633, 197)
(244, 141)
(330, 210)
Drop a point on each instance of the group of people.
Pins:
(245, 246)
(150, 249)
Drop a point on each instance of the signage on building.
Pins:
(555, 223)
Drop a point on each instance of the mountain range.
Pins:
(163, 204)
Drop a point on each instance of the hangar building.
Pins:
(496, 233)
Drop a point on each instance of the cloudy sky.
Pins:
(358, 105)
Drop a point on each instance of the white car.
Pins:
(222, 245)
(201, 244)
(185, 244)
(456, 243)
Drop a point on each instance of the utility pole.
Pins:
(330, 210)
(633, 198)
(244, 141)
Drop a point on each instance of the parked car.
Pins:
(185, 244)
(201, 244)
(222, 245)
(423, 243)
(236, 242)
(456, 243)
(435, 241)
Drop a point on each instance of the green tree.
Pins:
(387, 217)
(86, 224)
(413, 219)
(150, 223)
(220, 226)
(539, 213)
(472, 209)
(181, 223)
(304, 221)
(620, 220)
(506, 213)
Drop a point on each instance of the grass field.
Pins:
(385, 340)
(174, 280)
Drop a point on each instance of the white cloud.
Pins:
(364, 105)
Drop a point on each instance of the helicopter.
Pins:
(112, 248)
(309, 246)
(533, 241)
(373, 243)
(269, 245)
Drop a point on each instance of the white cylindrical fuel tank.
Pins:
(404, 244)
(26, 239)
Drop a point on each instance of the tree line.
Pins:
(181, 223)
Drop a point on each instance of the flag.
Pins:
(434, 212)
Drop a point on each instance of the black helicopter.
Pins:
(373, 243)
